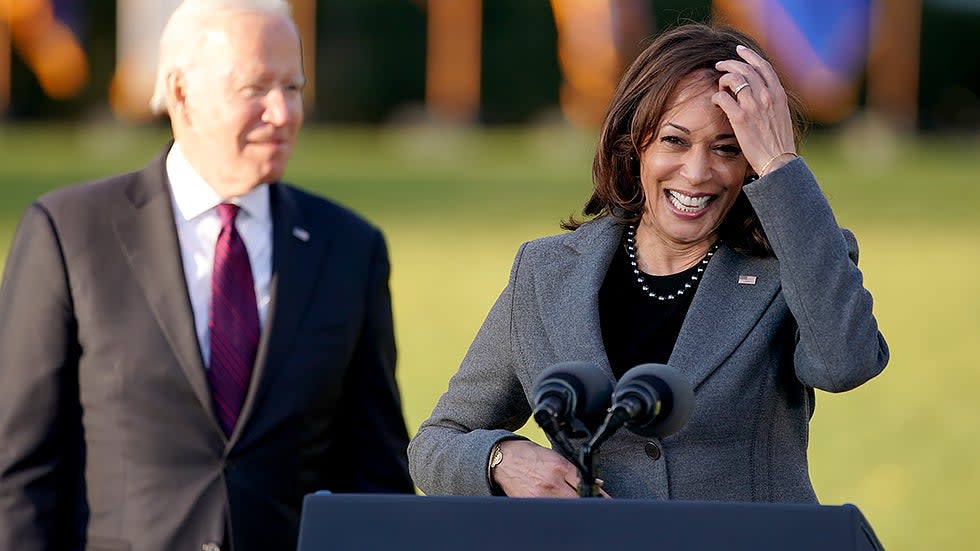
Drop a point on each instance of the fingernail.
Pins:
(739, 47)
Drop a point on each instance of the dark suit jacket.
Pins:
(752, 352)
(107, 431)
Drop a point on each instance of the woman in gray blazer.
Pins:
(711, 248)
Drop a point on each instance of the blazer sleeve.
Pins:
(484, 404)
(839, 345)
(40, 470)
(372, 437)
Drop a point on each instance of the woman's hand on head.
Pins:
(530, 470)
(759, 113)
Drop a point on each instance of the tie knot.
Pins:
(227, 213)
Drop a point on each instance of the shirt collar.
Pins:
(194, 197)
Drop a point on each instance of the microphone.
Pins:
(651, 400)
(568, 392)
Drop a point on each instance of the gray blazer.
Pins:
(753, 353)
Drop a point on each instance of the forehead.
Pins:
(249, 42)
(691, 101)
(692, 85)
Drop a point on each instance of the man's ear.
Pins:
(177, 94)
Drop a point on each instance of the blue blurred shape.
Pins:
(837, 31)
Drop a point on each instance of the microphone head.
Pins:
(669, 387)
(587, 387)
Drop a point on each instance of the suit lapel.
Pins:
(148, 237)
(567, 287)
(723, 312)
(296, 251)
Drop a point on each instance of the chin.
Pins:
(270, 172)
(692, 235)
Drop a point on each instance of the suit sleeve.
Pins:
(485, 402)
(371, 448)
(838, 345)
(39, 466)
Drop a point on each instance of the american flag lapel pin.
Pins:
(746, 280)
(301, 234)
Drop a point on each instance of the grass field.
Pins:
(455, 206)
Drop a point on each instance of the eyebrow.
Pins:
(686, 131)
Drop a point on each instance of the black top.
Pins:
(636, 328)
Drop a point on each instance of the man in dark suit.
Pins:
(188, 350)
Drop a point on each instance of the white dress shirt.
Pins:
(195, 213)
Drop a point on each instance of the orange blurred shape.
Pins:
(48, 48)
(829, 98)
(588, 58)
(452, 79)
(24, 11)
(893, 63)
(126, 97)
(304, 13)
(4, 66)
(58, 62)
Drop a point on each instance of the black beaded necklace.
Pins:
(631, 253)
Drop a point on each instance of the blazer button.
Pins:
(652, 450)
(210, 546)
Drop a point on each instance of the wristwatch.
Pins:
(496, 456)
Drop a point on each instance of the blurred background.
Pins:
(464, 127)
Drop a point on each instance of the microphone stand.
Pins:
(583, 456)
(589, 451)
(587, 469)
(586, 456)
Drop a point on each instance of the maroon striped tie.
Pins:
(233, 323)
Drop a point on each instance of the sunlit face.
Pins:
(243, 103)
(692, 169)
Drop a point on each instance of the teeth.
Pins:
(687, 203)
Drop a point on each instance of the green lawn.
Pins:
(455, 206)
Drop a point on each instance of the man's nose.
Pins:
(277, 110)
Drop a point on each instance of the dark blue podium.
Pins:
(340, 522)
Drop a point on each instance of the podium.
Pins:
(340, 522)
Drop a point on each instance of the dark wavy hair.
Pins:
(637, 110)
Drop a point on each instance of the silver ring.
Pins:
(739, 88)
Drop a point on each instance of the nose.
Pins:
(696, 167)
(278, 108)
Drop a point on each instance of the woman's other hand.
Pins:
(530, 470)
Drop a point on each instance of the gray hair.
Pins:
(185, 34)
